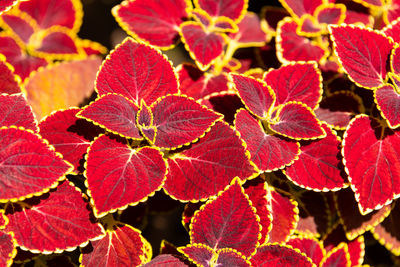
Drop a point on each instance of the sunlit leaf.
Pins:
(14, 110)
(250, 32)
(388, 102)
(300, 7)
(8, 248)
(279, 255)
(9, 82)
(310, 246)
(233, 9)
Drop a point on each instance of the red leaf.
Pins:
(371, 161)
(300, 7)
(180, 121)
(8, 248)
(123, 246)
(296, 120)
(48, 13)
(279, 255)
(138, 72)
(59, 222)
(268, 152)
(155, 22)
(115, 113)
(331, 13)
(3, 220)
(14, 110)
(233, 9)
(229, 221)
(257, 96)
(9, 82)
(356, 251)
(166, 260)
(285, 216)
(55, 44)
(300, 82)
(393, 11)
(395, 60)
(250, 32)
(204, 46)
(292, 47)
(69, 135)
(208, 166)
(27, 160)
(339, 256)
(118, 176)
(18, 24)
(310, 246)
(318, 166)
(388, 102)
(393, 30)
(363, 54)
(5, 5)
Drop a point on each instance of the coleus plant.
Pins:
(287, 155)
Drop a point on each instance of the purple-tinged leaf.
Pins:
(393, 30)
(55, 44)
(166, 260)
(229, 221)
(59, 222)
(17, 23)
(387, 99)
(371, 159)
(395, 60)
(208, 166)
(14, 110)
(312, 247)
(137, 71)
(331, 13)
(363, 53)
(338, 256)
(297, 8)
(8, 249)
(250, 32)
(280, 255)
(233, 9)
(9, 82)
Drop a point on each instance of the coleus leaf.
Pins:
(229, 221)
(61, 85)
(370, 157)
(69, 135)
(115, 113)
(297, 121)
(393, 30)
(18, 25)
(14, 110)
(48, 13)
(180, 120)
(233, 9)
(279, 255)
(356, 249)
(363, 53)
(167, 260)
(268, 152)
(301, 81)
(318, 166)
(257, 96)
(338, 256)
(331, 13)
(29, 165)
(387, 99)
(8, 248)
(9, 82)
(250, 32)
(155, 22)
(208, 166)
(123, 246)
(395, 61)
(205, 256)
(392, 12)
(298, 8)
(6, 5)
(136, 71)
(203, 46)
(118, 176)
(60, 222)
(310, 246)
(3, 220)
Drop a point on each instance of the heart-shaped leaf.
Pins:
(312, 247)
(29, 166)
(229, 221)
(233, 9)
(298, 8)
(250, 32)
(371, 161)
(118, 176)
(8, 248)
(155, 22)
(280, 255)
(18, 24)
(59, 222)
(388, 102)
(363, 54)
(115, 113)
(9, 82)
(14, 110)
(208, 166)
(123, 246)
(338, 256)
(268, 152)
(137, 71)
(180, 121)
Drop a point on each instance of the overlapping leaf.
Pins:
(338, 256)
(29, 166)
(55, 44)
(9, 83)
(8, 248)
(17, 23)
(124, 246)
(298, 8)
(165, 260)
(208, 166)
(137, 72)
(155, 22)
(229, 221)
(279, 255)
(388, 100)
(393, 30)
(14, 110)
(233, 9)
(250, 32)
(59, 222)
(310, 246)
(6, 5)
(363, 54)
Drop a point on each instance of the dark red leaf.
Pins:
(225, 103)
(14, 110)
(8, 248)
(229, 221)
(208, 166)
(56, 44)
(29, 161)
(137, 71)
(279, 255)
(300, 82)
(17, 24)
(319, 166)
(59, 222)
(371, 160)
(338, 256)
(257, 96)
(363, 53)
(233, 9)
(230, 257)
(268, 152)
(180, 121)
(118, 176)
(395, 60)
(155, 22)
(9, 82)
(298, 8)
(297, 121)
(115, 113)
(312, 247)
(166, 260)
(250, 32)
(387, 99)
(123, 246)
